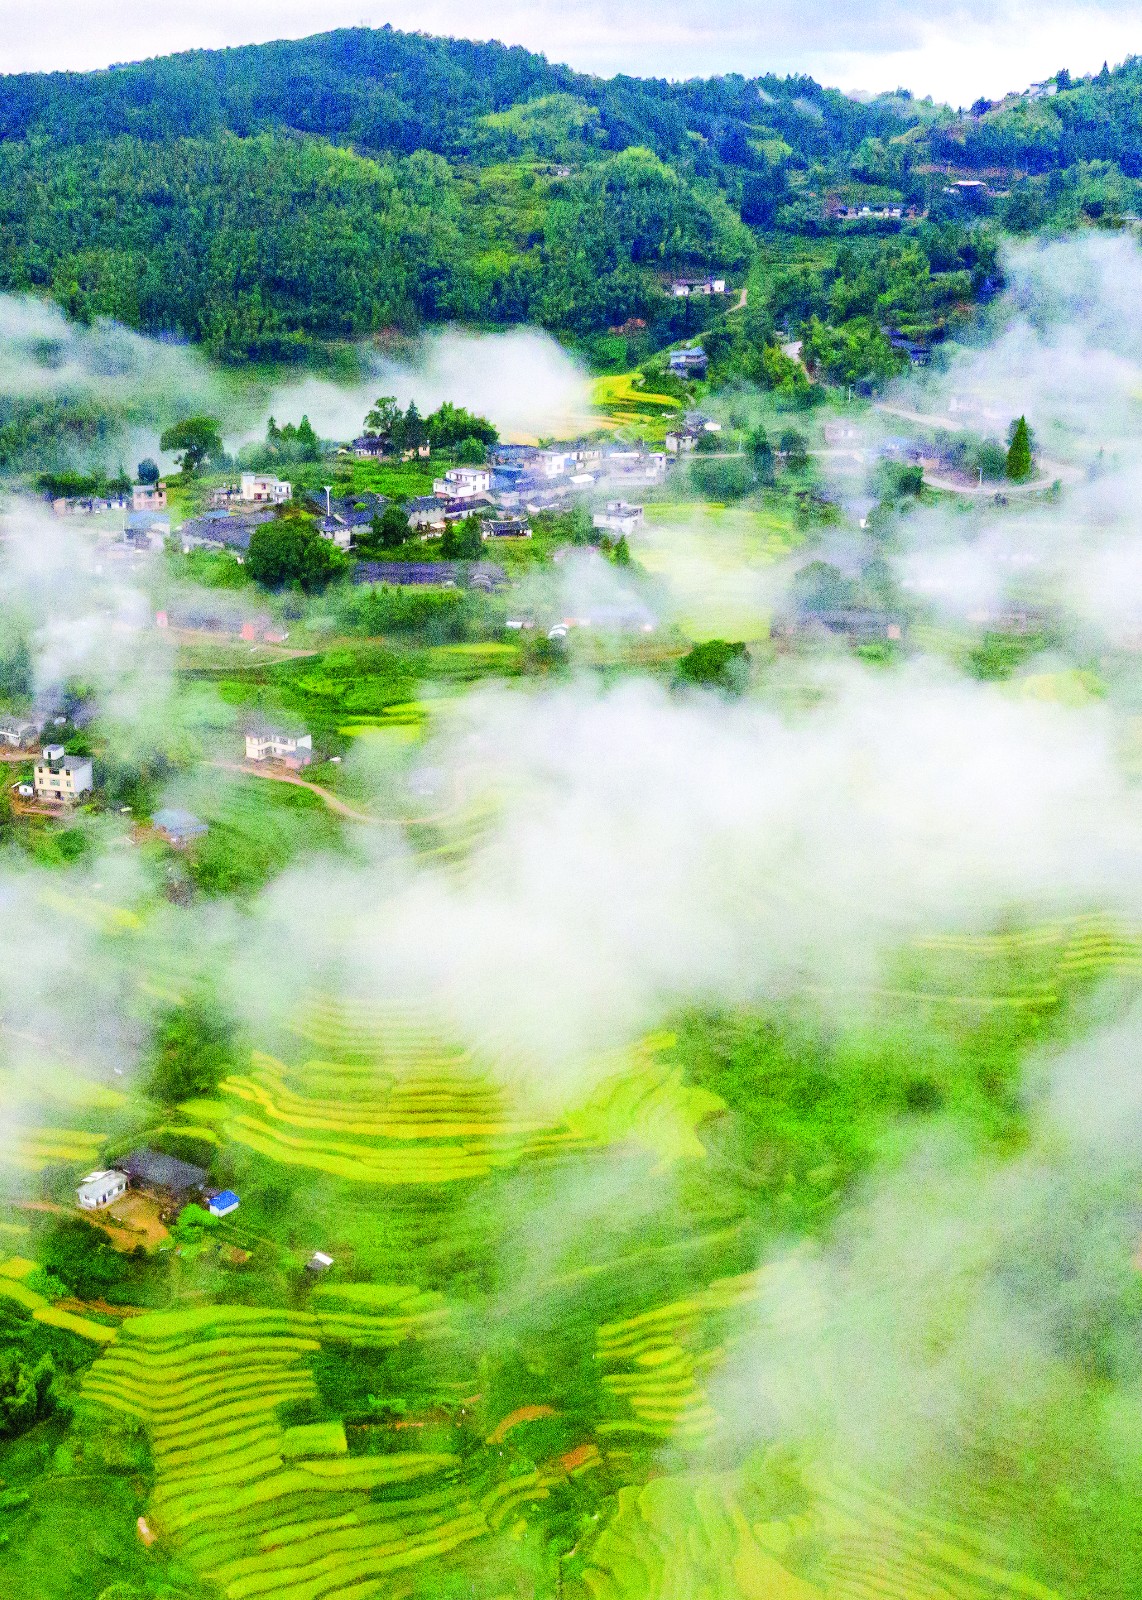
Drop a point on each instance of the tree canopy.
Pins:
(290, 550)
(196, 440)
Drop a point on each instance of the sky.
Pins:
(954, 50)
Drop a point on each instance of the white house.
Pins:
(463, 483)
(58, 776)
(683, 288)
(259, 490)
(269, 744)
(553, 463)
(619, 517)
(98, 1189)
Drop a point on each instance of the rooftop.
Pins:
(161, 1171)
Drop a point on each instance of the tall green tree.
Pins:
(390, 529)
(25, 1391)
(1019, 452)
(192, 1052)
(196, 440)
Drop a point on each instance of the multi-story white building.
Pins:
(269, 744)
(257, 489)
(463, 483)
(619, 517)
(58, 776)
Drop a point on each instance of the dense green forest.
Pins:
(264, 199)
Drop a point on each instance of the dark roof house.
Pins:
(151, 1169)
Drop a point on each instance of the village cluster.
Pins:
(147, 1190)
(501, 494)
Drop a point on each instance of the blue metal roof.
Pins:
(226, 1201)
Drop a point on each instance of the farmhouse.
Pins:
(271, 744)
(619, 517)
(426, 511)
(178, 828)
(349, 516)
(507, 528)
(58, 776)
(221, 530)
(369, 446)
(319, 1262)
(223, 1204)
(463, 483)
(855, 624)
(554, 463)
(693, 363)
(918, 354)
(149, 497)
(648, 466)
(260, 490)
(98, 1189)
(18, 734)
(514, 455)
(150, 1169)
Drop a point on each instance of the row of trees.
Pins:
(450, 428)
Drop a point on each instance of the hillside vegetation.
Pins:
(264, 199)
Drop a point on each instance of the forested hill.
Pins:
(384, 91)
(267, 198)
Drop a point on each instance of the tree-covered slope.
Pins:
(265, 198)
(385, 90)
(259, 198)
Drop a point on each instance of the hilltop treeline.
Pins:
(264, 198)
(384, 91)
(1095, 119)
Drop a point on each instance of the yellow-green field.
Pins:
(718, 562)
(625, 403)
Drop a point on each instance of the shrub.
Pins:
(716, 664)
(723, 480)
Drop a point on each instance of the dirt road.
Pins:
(325, 795)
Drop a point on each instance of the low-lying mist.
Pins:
(521, 379)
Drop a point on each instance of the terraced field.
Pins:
(1030, 969)
(388, 1102)
(39, 1148)
(623, 402)
(259, 1507)
(699, 1537)
(653, 1363)
(13, 1288)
